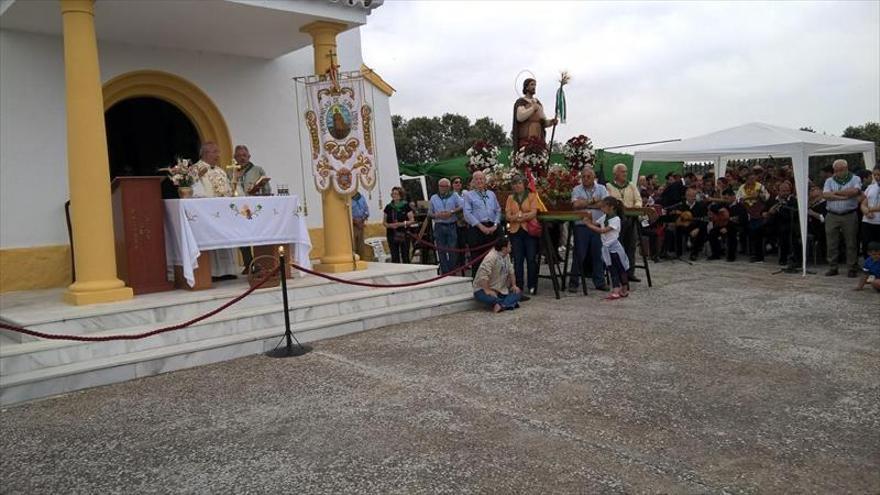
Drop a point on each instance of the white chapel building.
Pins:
(171, 74)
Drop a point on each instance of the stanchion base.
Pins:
(295, 351)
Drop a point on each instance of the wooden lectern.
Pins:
(139, 229)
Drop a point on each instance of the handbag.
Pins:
(533, 227)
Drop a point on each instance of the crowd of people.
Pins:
(750, 211)
(754, 211)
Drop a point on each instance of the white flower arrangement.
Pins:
(482, 156)
(182, 174)
(578, 151)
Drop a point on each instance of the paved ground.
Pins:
(721, 378)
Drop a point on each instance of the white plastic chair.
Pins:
(378, 245)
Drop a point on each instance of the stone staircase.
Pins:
(31, 368)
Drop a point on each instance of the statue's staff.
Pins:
(564, 78)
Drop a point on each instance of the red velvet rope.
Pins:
(380, 286)
(137, 336)
(419, 240)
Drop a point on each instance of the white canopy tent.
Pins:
(757, 140)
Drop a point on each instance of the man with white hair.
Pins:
(628, 194)
(842, 192)
(214, 183)
(483, 216)
(443, 208)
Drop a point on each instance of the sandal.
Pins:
(612, 297)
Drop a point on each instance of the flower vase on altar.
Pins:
(185, 192)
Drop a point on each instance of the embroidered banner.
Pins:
(341, 137)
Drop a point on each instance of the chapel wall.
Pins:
(255, 96)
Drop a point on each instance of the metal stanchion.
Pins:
(288, 350)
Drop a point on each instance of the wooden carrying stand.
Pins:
(139, 232)
(202, 274)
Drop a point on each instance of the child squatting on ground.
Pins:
(613, 254)
(871, 268)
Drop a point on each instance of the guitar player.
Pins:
(691, 224)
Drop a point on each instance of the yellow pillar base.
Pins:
(80, 298)
(341, 267)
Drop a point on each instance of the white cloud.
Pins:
(641, 71)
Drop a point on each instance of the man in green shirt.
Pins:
(245, 179)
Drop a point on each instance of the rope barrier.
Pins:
(270, 273)
(137, 336)
(419, 240)
(383, 286)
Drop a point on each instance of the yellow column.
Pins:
(337, 214)
(87, 163)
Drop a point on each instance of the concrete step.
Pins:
(66, 378)
(163, 308)
(29, 356)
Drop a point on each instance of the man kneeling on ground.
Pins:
(495, 283)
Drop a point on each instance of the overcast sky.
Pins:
(640, 71)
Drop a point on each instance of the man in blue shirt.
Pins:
(587, 243)
(443, 208)
(483, 216)
(360, 212)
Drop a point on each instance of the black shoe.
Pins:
(713, 258)
(756, 260)
(693, 257)
(604, 288)
(852, 273)
(782, 262)
(831, 272)
(533, 291)
(731, 260)
(633, 278)
(524, 298)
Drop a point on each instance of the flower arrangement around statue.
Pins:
(500, 180)
(532, 155)
(556, 185)
(183, 175)
(578, 152)
(482, 156)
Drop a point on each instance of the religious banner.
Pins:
(341, 137)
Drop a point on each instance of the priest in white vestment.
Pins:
(214, 183)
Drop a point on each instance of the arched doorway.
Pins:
(147, 133)
(180, 93)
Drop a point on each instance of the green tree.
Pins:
(867, 132)
(486, 129)
(430, 139)
(808, 129)
(456, 132)
(426, 135)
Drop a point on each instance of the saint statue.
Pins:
(529, 119)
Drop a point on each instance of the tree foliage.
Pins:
(867, 132)
(431, 139)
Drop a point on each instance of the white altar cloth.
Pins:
(203, 224)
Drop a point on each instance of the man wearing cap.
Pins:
(842, 192)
